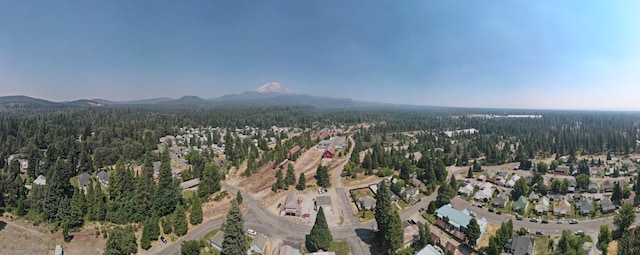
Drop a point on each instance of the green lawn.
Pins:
(429, 217)
(542, 245)
(368, 215)
(402, 204)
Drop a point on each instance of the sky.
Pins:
(502, 54)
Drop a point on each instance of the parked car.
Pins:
(251, 232)
(421, 209)
(544, 222)
(558, 222)
(534, 220)
(491, 209)
(164, 240)
(518, 217)
(498, 212)
(573, 221)
(539, 233)
(579, 232)
(279, 204)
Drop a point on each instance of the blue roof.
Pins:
(429, 250)
(456, 218)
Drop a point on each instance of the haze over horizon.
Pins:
(519, 54)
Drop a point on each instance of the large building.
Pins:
(291, 205)
(457, 221)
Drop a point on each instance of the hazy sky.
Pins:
(526, 54)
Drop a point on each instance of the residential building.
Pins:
(324, 202)
(321, 253)
(562, 170)
(217, 240)
(542, 206)
(291, 205)
(58, 250)
(367, 203)
(520, 245)
(455, 222)
(606, 186)
(563, 208)
(288, 250)
(593, 187)
(293, 150)
(521, 204)
(454, 133)
(467, 190)
(584, 206)
(534, 197)
(329, 153)
(429, 250)
(500, 201)
(103, 177)
(190, 184)
(259, 243)
(411, 193)
(83, 180)
(606, 206)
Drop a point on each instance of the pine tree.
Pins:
(235, 242)
(210, 182)
(145, 239)
(473, 232)
(154, 228)
(180, 225)
(290, 179)
(65, 233)
(453, 182)
(470, 173)
(167, 227)
(394, 235)
(320, 237)
(239, 197)
(196, 211)
(279, 180)
(167, 193)
(301, 182)
(322, 176)
(121, 241)
(99, 210)
(78, 208)
(382, 212)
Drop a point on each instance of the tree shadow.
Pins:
(367, 236)
(2, 225)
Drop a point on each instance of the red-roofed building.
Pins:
(329, 153)
(293, 150)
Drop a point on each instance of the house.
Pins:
(592, 188)
(58, 250)
(454, 133)
(291, 205)
(367, 203)
(190, 184)
(555, 197)
(217, 240)
(293, 150)
(502, 174)
(584, 206)
(520, 245)
(329, 153)
(417, 183)
(562, 170)
(83, 180)
(103, 177)
(606, 186)
(534, 197)
(411, 193)
(41, 180)
(288, 250)
(258, 244)
(321, 253)
(606, 206)
(429, 250)
(520, 204)
(500, 201)
(484, 195)
(456, 221)
(324, 202)
(563, 208)
(467, 190)
(542, 206)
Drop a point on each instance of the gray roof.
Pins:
(288, 250)
(607, 205)
(368, 202)
(83, 179)
(259, 242)
(190, 183)
(218, 238)
(585, 205)
(292, 201)
(323, 200)
(103, 176)
(521, 245)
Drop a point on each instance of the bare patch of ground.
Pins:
(18, 237)
(360, 180)
(484, 240)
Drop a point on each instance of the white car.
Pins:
(251, 232)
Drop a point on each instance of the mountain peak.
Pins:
(274, 87)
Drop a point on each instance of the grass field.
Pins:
(542, 245)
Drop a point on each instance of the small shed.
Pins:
(324, 202)
(259, 243)
(217, 240)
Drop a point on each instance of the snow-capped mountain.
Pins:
(274, 87)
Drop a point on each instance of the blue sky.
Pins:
(523, 54)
